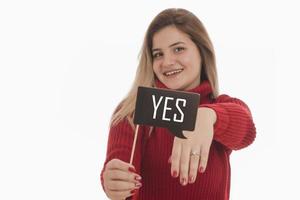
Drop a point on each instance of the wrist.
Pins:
(208, 114)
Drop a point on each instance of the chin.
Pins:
(175, 86)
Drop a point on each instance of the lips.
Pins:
(172, 72)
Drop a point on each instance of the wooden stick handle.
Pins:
(133, 146)
(134, 143)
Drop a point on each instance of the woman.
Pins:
(177, 54)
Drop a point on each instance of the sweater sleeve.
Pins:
(119, 146)
(234, 127)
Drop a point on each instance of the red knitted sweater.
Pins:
(234, 129)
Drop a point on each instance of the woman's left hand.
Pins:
(190, 155)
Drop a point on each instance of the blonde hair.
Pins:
(186, 22)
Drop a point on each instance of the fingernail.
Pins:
(133, 191)
(169, 161)
(138, 184)
(191, 179)
(183, 181)
(201, 169)
(138, 178)
(174, 174)
(131, 169)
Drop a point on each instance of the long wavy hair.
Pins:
(186, 22)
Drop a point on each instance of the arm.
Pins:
(119, 146)
(234, 127)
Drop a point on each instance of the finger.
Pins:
(184, 165)
(203, 158)
(175, 157)
(114, 174)
(121, 165)
(194, 164)
(121, 194)
(113, 185)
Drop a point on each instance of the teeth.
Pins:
(173, 72)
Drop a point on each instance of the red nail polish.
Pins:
(201, 169)
(169, 161)
(133, 191)
(191, 179)
(183, 181)
(138, 185)
(174, 174)
(131, 169)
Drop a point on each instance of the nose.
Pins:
(168, 60)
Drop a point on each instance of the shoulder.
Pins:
(122, 124)
(226, 98)
(229, 100)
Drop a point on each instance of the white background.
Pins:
(66, 64)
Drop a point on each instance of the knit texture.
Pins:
(234, 129)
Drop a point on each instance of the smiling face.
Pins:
(176, 59)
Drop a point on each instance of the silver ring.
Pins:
(194, 153)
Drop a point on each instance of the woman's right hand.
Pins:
(120, 179)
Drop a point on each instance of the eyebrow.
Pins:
(157, 49)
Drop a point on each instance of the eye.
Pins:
(177, 49)
(156, 55)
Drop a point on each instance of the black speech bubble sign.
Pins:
(175, 110)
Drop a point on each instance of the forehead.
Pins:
(169, 35)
